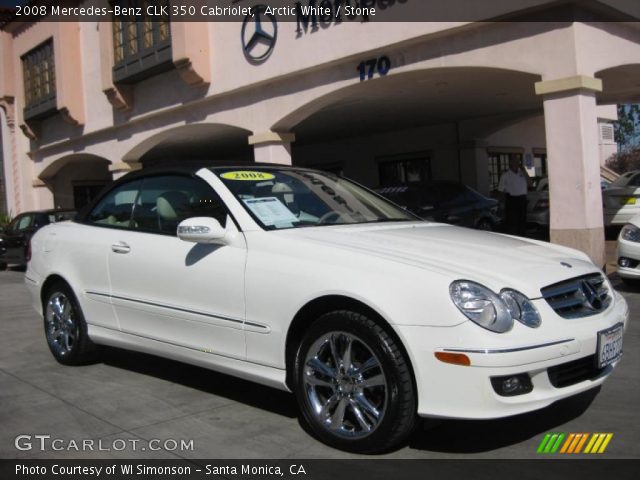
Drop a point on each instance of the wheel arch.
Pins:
(317, 307)
(50, 280)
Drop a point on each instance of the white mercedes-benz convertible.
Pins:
(308, 282)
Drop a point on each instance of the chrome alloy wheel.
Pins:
(345, 385)
(62, 327)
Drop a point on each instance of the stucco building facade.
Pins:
(377, 101)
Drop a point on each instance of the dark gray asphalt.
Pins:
(133, 397)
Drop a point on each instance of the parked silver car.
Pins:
(621, 201)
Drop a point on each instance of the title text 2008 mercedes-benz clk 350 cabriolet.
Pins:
(304, 281)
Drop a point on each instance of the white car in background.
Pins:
(538, 204)
(628, 254)
(308, 282)
(621, 201)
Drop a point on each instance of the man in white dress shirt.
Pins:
(513, 184)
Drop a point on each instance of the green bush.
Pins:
(5, 219)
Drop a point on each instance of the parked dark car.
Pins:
(446, 202)
(15, 237)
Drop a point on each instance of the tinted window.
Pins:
(23, 223)
(165, 201)
(114, 210)
(635, 181)
(40, 220)
(61, 216)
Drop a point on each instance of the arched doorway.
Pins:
(75, 180)
(429, 123)
(193, 145)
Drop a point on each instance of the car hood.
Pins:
(495, 260)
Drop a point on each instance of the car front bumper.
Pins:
(456, 391)
(630, 250)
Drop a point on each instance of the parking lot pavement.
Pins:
(132, 398)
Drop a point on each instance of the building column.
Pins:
(272, 147)
(473, 165)
(120, 169)
(11, 172)
(573, 162)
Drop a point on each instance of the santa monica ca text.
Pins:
(141, 469)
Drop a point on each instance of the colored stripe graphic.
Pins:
(598, 442)
(565, 447)
(555, 443)
(551, 442)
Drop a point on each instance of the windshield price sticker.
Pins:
(248, 176)
(270, 211)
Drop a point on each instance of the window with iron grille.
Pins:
(141, 47)
(404, 169)
(39, 74)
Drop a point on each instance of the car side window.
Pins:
(12, 227)
(115, 209)
(23, 223)
(635, 181)
(167, 200)
(40, 220)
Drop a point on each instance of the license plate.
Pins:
(628, 201)
(609, 345)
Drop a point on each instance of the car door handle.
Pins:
(120, 247)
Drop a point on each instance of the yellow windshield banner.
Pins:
(248, 176)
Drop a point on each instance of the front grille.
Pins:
(578, 297)
(574, 372)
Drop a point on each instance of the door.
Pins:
(17, 236)
(181, 293)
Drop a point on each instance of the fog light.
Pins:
(625, 262)
(512, 385)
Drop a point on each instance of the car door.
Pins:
(16, 237)
(166, 289)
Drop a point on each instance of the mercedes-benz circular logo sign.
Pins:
(591, 295)
(259, 34)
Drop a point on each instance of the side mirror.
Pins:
(201, 230)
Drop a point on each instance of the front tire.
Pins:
(65, 327)
(354, 384)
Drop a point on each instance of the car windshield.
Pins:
(290, 198)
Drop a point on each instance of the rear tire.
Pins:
(65, 328)
(3, 266)
(354, 384)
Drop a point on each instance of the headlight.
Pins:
(481, 305)
(521, 308)
(492, 311)
(630, 232)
